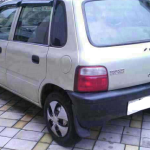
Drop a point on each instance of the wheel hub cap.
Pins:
(57, 118)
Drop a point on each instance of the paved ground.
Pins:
(22, 128)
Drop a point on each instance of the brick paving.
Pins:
(22, 127)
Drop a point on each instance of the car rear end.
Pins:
(112, 79)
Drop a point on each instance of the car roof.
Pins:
(17, 2)
(10, 2)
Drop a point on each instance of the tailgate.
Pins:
(128, 66)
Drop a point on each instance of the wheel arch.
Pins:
(47, 89)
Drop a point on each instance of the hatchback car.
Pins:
(84, 61)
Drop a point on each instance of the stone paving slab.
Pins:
(130, 140)
(138, 116)
(113, 129)
(22, 127)
(120, 122)
(147, 118)
(57, 147)
(4, 140)
(7, 122)
(2, 128)
(29, 135)
(110, 137)
(143, 148)
(145, 133)
(10, 115)
(85, 144)
(20, 144)
(34, 127)
(1, 112)
(9, 132)
(129, 147)
(132, 131)
(146, 125)
(145, 142)
(107, 146)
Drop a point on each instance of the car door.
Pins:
(7, 14)
(27, 53)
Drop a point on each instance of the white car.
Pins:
(84, 61)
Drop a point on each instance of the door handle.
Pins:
(0, 50)
(35, 59)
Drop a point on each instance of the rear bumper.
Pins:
(95, 109)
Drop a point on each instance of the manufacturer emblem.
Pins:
(117, 72)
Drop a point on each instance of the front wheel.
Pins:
(59, 119)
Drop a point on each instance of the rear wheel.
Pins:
(59, 119)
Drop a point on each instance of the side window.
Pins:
(33, 24)
(59, 25)
(6, 19)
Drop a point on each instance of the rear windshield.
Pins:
(117, 22)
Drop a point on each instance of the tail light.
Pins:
(91, 79)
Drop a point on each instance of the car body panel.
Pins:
(3, 79)
(59, 59)
(23, 75)
(4, 44)
(28, 79)
(127, 65)
(131, 61)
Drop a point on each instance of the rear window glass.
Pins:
(117, 22)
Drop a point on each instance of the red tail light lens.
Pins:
(91, 79)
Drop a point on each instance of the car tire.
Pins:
(59, 119)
